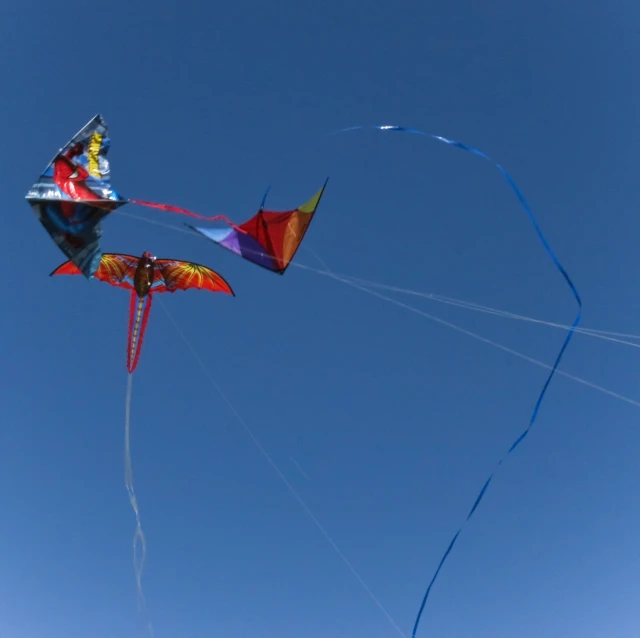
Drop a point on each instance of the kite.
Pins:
(270, 238)
(74, 193)
(146, 276)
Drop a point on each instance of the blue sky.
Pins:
(385, 423)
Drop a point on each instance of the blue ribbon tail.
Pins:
(264, 197)
(563, 272)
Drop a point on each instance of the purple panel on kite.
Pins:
(240, 243)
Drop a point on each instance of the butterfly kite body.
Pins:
(145, 276)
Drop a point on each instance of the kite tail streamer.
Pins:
(183, 211)
(138, 561)
(264, 197)
(139, 309)
(563, 272)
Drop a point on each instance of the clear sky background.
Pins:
(384, 422)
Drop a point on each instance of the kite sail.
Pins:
(146, 276)
(269, 239)
(74, 194)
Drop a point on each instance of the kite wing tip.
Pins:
(58, 269)
(312, 204)
(69, 268)
(223, 286)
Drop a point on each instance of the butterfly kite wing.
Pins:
(74, 193)
(172, 275)
(115, 269)
(269, 239)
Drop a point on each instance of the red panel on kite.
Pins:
(172, 275)
(269, 239)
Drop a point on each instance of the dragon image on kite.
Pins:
(146, 276)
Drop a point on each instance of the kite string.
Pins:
(280, 473)
(183, 211)
(562, 271)
(468, 305)
(452, 301)
(348, 280)
(138, 562)
(490, 342)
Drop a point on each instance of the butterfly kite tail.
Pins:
(183, 211)
(139, 310)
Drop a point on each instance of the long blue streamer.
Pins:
(564, 273)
